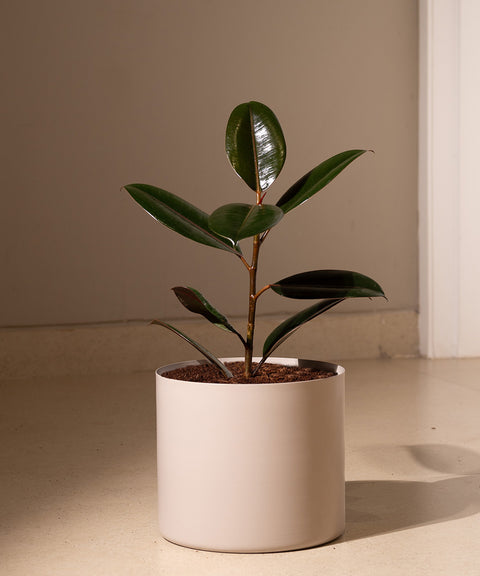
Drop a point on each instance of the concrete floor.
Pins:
(78, 493)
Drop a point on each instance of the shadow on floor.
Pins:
(377, 507)
(383, 506)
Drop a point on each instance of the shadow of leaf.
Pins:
(446, 458)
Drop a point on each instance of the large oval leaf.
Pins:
(179, 215)
(290, 325)
(328, 284)
(208, 355)
(255, 145)
(317, 179)
(237, 221)
(198, 304)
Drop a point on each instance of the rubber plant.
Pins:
(255, 146)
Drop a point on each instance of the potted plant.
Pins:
(250, 450)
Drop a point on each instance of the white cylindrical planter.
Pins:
(251, 467)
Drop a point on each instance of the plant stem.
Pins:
(252, 297)
(252, 305)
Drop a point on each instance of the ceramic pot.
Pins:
(251, 467)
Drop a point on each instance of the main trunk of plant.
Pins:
(252, 305)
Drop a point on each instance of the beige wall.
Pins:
(101, 93)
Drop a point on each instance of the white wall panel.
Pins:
(449, 183)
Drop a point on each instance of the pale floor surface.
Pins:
(78, 494)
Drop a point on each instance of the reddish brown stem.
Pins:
(252, 304)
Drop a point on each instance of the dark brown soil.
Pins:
(268, 373)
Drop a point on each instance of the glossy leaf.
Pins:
(198, 304)
(290, 325)
(208, 355)
(179, 215)
(255, 145)
(238, 221)
(328, 284)
(317, 179)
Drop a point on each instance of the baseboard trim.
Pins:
(132, 347)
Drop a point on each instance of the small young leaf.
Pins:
(238, 221)
(255, 145)
(179, 215)
(328, 284)
(198, 304)
(317, 179)
(208, 355)
(290, 325)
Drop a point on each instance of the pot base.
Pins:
(251, 550)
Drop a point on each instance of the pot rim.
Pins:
(285, 361)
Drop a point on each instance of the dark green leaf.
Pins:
(255, 145)
(179, 215)
(316, 179)
(198, 304)
(237, 221)
(208, 355)
(290, 325)
(327, 284)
